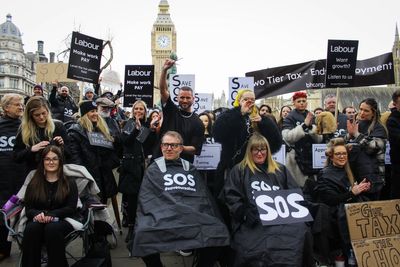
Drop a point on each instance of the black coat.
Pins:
(23, 153)
(276, 245)
(12, 174)
(62, 108)
(99, 161)
(393, 126)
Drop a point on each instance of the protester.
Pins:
(92, 147)
(37, 91)
(136, 135)
(335, 187)
(233, 129)
(88, 94)
(285, 110)
(37, 131)
(330, 105)
(255, 244)
(264, 109)
(350, 112)
(393, 126)
(368, 137)
(317, 111)
(12, 174)
(49, 198)
(62, 104)
(174, 199)
(300, 133)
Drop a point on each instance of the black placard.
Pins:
(341, 63)
(139, 82)
(98, 139)
(310, 75)
(84, 58)
(281, 207)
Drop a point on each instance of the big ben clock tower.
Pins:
(163, 42)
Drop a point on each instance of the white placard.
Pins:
(280, 156)
(209, 157)
(387, 154)
(318, 156)
(202, 102)
(177, 81)
(236, 84)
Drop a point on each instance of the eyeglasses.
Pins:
(51, 160)
(259, 150)
(17, 105)
(340, 154)
(250, 99)
(172, 145)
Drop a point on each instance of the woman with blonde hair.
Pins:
(37, 131)
(255, 244)
(92, 146)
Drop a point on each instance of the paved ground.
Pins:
(119, 255)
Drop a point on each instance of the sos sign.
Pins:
(281, 207)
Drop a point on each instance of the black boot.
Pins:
(129, 236)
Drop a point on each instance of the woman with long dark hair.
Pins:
(368, 136)
(49, 198)
(37, 131)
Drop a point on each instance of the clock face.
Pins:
(163, 41)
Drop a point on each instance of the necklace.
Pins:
(184, 116)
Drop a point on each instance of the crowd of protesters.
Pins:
(210, 213)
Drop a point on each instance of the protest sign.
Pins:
(318, 155)
(236, 84)
(202, 102)
(209, 157)
(387, 154)
(51, 72)
(139, 81)
(177, 81)
(84, 58)
(310, 75)
(341, 63)
(281, 207)
(375, 232)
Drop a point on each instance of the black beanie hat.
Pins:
(87, 106)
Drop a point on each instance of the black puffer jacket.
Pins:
(12, 174)
(99, 161)
(62, 108)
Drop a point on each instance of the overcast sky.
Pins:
(217, 39)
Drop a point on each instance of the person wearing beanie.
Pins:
(88, 94)
(37, 91)
(92, 146)
(299, 132)
(62, 104)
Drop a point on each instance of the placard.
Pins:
(209, 157)
(280, 156)
(98, 139)
(387, 154)
(236, 84)
(375, 232)
(139, 84)
(202, 102)
(281, 207)
(51, 72)
(341, 63)
(177, 81)
(318, 156)
(84, 58)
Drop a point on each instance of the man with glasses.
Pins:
(181, 119)
(62, 104)
(175, 210)
(330, 105)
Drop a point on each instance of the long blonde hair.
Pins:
(330, 149)
(28, 126)
(101, 125)
(257, 140)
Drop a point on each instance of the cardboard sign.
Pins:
(84, 58)
(341, 63)
(209, 157)
(236, 84)
(375, 232)
(139, 82)
(280, 156)
(281, 207)
(318, 156)
(50, 72)
(387, 154)
(98, 139)
(202, 102)
(177, 81)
